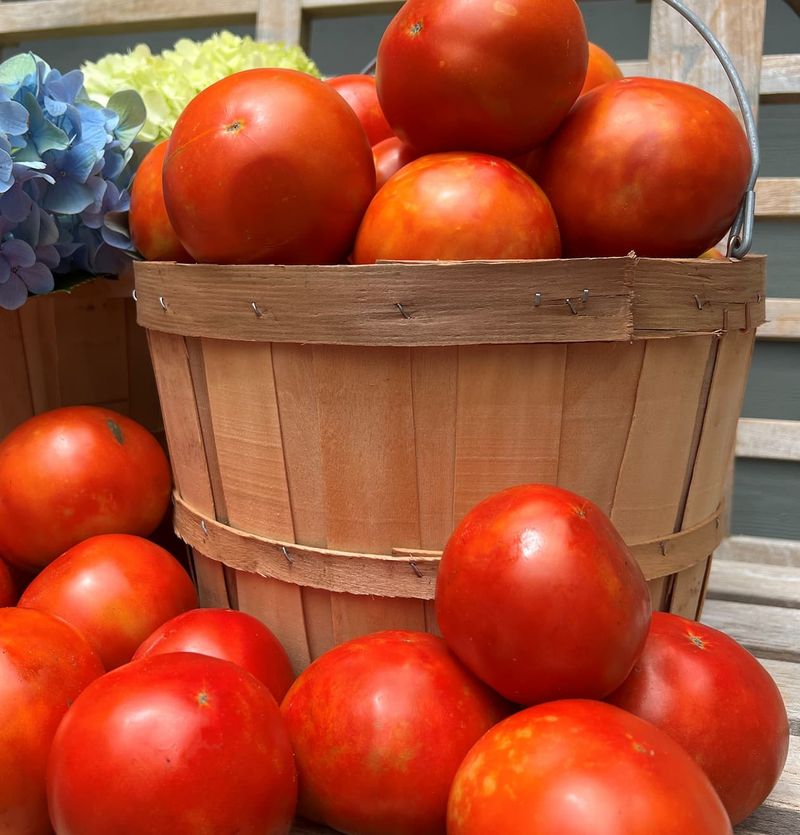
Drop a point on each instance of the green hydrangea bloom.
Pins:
(168, 81)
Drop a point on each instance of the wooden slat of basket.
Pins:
(187, 451)
(13, 374)
(600, 386)
(293, 370)
(365, 404)
(249, 453)
(502, 395)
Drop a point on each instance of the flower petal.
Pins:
(68, 197)
(18, 253)
(38, 278)
(5, 271)
(13, 118)
(15, 204)
(13, 294)
(48, 255)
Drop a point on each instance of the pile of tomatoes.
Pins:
(492, 130)
(553, 702)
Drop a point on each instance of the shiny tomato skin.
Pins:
(578, 767)
(44, 665)
(569, 604)
(646, 165)
(360, 93)
(115, 589)
(229, 635)
(712, 697)
(458, 207)
(151, 232)
(602, 69)
(379, 726)
(480, 75)
(390, 156)
(74, 472)
(268, 166)
(175, 744)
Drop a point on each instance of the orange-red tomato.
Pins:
(390, 156)
(457, 207)
(602, 69)
(531, 162)
(540, 597)
(44, 665)
(649, 165)
(75, 472)
(379, 726)
(711, 696)
(151, 232)
(268, 166)
(581, 768)
(231, 636)
(359, 92)
(116, 590)
(178, 744)
(481, 75)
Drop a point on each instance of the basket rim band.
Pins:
(447, 303)
(407, 572)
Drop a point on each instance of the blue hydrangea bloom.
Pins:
(65, 165)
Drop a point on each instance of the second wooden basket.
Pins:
(328, 426)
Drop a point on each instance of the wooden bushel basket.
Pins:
(81, 347)
(328, 426)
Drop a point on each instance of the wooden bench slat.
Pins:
(747, 582)
(760, 549)
(767, 631)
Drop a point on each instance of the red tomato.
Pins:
(481, 75)
(581, 768)
(173, 745)
(268, 166)
(539, 596)
(379, 726)
(710, 695)
(151, 231)
(116, 590)
(458, 207)
(44, 665)
(231, 636)
(390, 156)
(648, 165)
(359, 92)
(602, 69)
(75, 472)
(531, 162)
(8, 586)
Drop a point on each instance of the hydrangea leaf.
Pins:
(17, 70)
(46, 136)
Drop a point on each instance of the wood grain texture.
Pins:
(16, 404)
(508, 419)
(775, 439)
(600, 386)
(767, 631)
(406, 572)
(778, 197)
(364, 402)
(62, 17)
(279, 21)
(677, 50)
(142, 400)
(764, 550)
(434, 384)
(40, 343)
(780, 75)
(650, 489)
(444, 303)
(745, 582)
(453, 303)
(783, 320)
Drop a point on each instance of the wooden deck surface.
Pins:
(759, 605)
